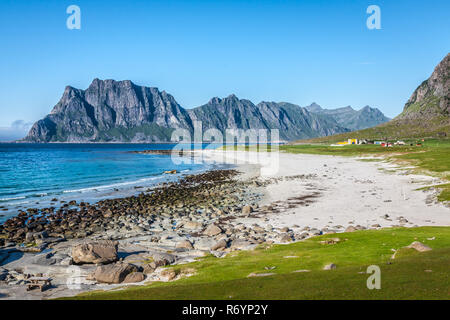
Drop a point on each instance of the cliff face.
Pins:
(111, 111)
(120, 111)
(292, 121)
(432, 98)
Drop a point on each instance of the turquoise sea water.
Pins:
(31, 175)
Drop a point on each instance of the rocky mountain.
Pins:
(291, 120)
(432, 98)
(120, 111)
(111, 111)
(425, 114)
(350, 118)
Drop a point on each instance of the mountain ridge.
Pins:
(350, 118)
(121, 111)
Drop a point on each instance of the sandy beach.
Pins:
(276, 198)
(350, 191)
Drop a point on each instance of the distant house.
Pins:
(349, 141)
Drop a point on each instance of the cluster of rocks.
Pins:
(132, 239)
(204, 194)
(171, 217)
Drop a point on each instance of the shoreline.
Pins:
(221, 211)
(121, 187)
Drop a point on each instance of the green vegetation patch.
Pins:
(402, 278)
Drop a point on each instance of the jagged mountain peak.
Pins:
(353, 119)
(314, 107)
(122, 111)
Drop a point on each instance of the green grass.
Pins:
(445, 193)
(226, 278)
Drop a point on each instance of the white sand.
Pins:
(351, 191)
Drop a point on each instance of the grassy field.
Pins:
(414, 276)
(411, 275)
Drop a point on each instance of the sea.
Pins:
(34, 175)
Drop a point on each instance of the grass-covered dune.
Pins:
(411, 275)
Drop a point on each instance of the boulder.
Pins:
(314, 232)
(419, 246)
(163, 259)
(330, 266)
(95, 252)
(185, 244)
(169, 274)
(240, 244)
(148, 268)
(247, 209)
(134, 277)
(113, 273)
(212, 230)
(204, 244)
(350, 229)
(192, 225)
(219, 245)
(285, 237)
(32, 236)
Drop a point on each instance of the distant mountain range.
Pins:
(425, 114)
(120, 111)
(350, 118)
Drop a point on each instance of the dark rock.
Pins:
(113, 273)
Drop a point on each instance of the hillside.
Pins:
(425, 114)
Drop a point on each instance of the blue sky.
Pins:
(295, 51)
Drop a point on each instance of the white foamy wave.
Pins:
(11, 199)
(110, 186)
(20, 203)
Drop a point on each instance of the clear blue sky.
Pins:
(295, 51)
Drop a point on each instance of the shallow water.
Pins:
(31, 175)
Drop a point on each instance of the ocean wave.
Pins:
(11, 199)
(110, 186)
(43, 194)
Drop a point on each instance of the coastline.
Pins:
(347, 189)
(93, 174)
(308, 196)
